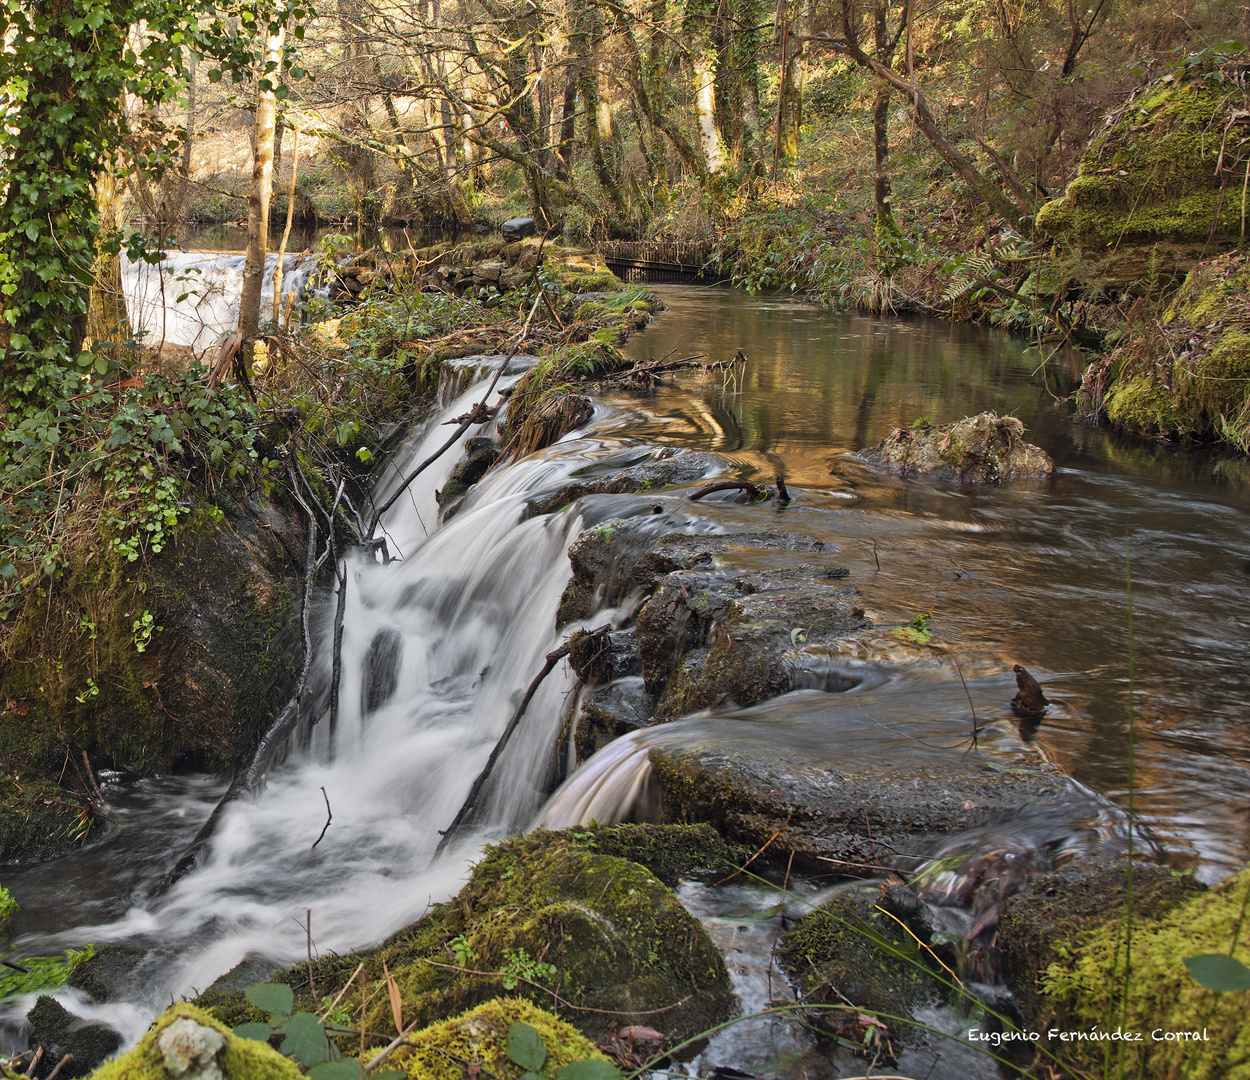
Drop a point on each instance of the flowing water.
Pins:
(439, 645)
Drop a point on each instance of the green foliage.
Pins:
(43, 972)
(7, 904)
(1215, 971)
(304, 1036)
(518, 965)
(143, 628)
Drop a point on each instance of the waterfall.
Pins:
(191, 298)
(438, 647)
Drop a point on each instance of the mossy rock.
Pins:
(1148, 198)
(848, 951)
(193, 691)
(1190, 378)
(238, 1059)
(1084, 984)
(448, 1050)
(61, 1033)
(670, 852)
(615, 936)
(981, 449)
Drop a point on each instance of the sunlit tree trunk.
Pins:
(705, 105)
(262, 187)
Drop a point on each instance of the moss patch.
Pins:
(848, 951)
(1154, 189)
(1187, 375)
(1085, 985)
(242, 1059)
(447, 1050)
(571, 928)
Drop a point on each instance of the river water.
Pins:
(438, 645)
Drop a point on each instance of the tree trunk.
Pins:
(881, 151)
(262, 188)
(705, 104)
(107, 319)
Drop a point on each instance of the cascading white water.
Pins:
(438, 647)
(191, 298)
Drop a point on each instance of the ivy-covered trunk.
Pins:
(62, 77)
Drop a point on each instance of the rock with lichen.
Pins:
(1159, 186)
(449, 1050)
(982, 449)
(186, 1043)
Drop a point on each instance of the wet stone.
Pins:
(982, 449)
(60, 1032)
(610, 712)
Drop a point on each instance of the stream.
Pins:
(440, 644)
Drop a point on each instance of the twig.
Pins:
(339, 997)
(67, 1059)
(26, 970)
(874, 554)
(968, 695)
(395, 1044)
(312, 986)
(329, 818)
(34, 1062)
(553, 658)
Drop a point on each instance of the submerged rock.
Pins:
(982, 449)
(186, 1043)
(842, 786)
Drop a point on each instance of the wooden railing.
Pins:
(658, 261)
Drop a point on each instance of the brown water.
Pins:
(1032, 573)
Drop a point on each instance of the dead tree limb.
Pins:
(754, 490)
(466, 809)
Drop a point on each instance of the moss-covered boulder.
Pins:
(982, 449)
(448, 1050)
(186, 1043)
(1188, 376)
(849, 953)
(1084, 983)
(177, 661)
(1159, 187)
(553, 918)
(61, 1034)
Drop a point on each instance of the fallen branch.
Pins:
(553, 658)
(754, 490)
(66, 1060)
(464, 426)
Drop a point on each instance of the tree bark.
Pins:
(262, 186)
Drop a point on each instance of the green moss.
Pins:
(670, 852)
(243, 1059)
(618, 940)
(444, 1051)
(847, 951)
(1147, 201)
(1087, 988)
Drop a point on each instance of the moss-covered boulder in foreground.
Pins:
(550, 918)
(981, 449)
(1160, 186)
(448, 1050)
(234, 1058)
(1072, 931)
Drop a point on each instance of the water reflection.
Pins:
(1032, 573)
